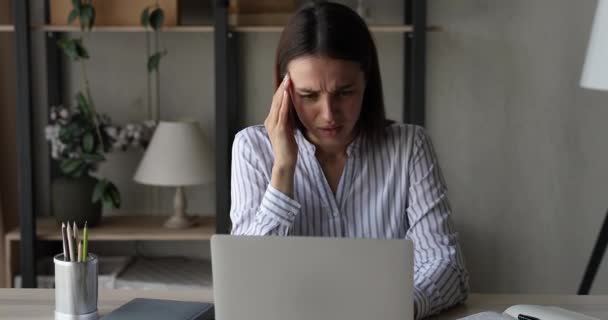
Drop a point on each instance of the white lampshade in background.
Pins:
(178, 155)
(595, 70)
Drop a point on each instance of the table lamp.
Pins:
(595, 76)
(177, 156)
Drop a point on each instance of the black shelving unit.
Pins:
(414, 86)
(226, 109)
(27, 221)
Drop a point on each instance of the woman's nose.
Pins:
(328, 109)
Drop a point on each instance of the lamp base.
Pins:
(179, 219)
(178, 222)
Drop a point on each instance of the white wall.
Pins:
(521, 145)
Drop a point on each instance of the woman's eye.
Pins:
(345, 93)
(308, 96)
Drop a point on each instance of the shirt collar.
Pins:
(305, 146)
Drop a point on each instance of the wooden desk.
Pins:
(111, 228)
(39, 304)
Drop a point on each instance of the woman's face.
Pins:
(327, 95)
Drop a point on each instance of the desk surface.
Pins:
(38, 304)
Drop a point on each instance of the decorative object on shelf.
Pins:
(261, 12)
(177, 156)
(152, 18)
(113, 12)
(79, 139)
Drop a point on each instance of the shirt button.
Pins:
(336, 213)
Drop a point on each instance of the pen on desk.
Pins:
(64, 239)
(71, 244)
(85, 242)
(526, 317)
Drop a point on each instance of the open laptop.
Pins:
(304, 278)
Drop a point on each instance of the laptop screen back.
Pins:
(303, 278)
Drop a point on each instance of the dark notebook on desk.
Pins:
(153, 309)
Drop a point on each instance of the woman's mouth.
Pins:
(330, 131)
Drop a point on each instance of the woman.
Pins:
(328, 163)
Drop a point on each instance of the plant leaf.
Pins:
(82, 168)
(93, 16)
(75, 13)
(66, 133)
(84, 21)
(114, 195)
(69, 48)
(82, 124)
(107, 201)
(93, 157)
(73, 48)
(154, 61)
(69, 166)
(76, 4)
(98, 192)
(145, 16)
(87, 16)
(88, 142)
(83, 105)
(80, 49)
(157, 17)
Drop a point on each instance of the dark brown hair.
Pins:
(334, 30)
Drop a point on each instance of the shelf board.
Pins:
(7, 28)
(56, 28)
(373, 28)
(126, 228)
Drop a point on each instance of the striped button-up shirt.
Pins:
(389, 188)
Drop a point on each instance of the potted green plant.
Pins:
(78, 194)
(80, 136)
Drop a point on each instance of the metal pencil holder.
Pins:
(76, 289)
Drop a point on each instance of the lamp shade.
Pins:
(595, 70)
(178, 155)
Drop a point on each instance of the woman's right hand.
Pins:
(280, 130)
(283, 140)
